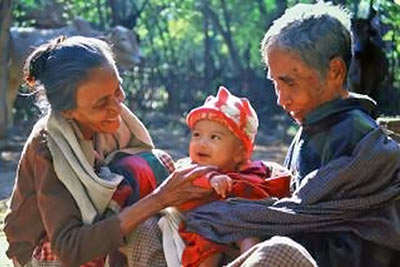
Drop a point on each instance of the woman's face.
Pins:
(98, 103)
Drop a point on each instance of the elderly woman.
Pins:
(59, 209)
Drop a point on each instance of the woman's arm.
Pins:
(77, 243)
(73, 241)
(46, 207)
(176, 190)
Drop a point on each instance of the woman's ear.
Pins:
(68, 114)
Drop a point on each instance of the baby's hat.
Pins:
(235, 113)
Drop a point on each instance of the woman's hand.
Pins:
(174, 191)
(178, 188)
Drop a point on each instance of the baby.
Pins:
(223, 133)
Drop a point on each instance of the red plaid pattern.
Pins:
(44, 253)
(165, 159)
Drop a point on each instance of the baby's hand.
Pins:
(222, 184)
(247, 243)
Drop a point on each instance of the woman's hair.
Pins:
(57, 68)
(315, 32)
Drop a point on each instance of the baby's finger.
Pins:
(224, 188)
(230, 184)
(217, 189)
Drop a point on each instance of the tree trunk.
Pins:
(5, 22)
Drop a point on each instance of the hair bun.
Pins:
(37, 62)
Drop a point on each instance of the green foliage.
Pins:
(191, 47)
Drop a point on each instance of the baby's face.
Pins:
(213, 144)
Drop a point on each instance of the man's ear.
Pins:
(337, 72)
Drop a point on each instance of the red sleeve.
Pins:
(257, 181)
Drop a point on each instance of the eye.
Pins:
(195, 134)
(215, 137)
(290, 84)
(101, 103)
(120, 94)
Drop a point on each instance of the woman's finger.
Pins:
(185, 170)
(199, 171)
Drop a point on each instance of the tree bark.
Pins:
(5, 23)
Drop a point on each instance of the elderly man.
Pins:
(344, 208)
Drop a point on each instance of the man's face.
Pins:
(298, 87)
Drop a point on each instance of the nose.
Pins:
(283, 97)
(116, 101)
(203, 142)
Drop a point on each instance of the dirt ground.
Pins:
(171, 137)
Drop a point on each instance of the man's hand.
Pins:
(222, 184)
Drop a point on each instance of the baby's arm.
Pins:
(222, 184)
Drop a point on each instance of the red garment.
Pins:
(43, 252)
(142, 172)
(253, 181)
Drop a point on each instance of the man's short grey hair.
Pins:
(315, 32)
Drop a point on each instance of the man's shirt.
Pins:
(328, 132)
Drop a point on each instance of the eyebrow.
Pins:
(218, 132)
(286, 78)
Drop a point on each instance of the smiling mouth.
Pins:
(203, 155)
(113, 119)
(295, 113)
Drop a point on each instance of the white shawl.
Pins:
(74, 157)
